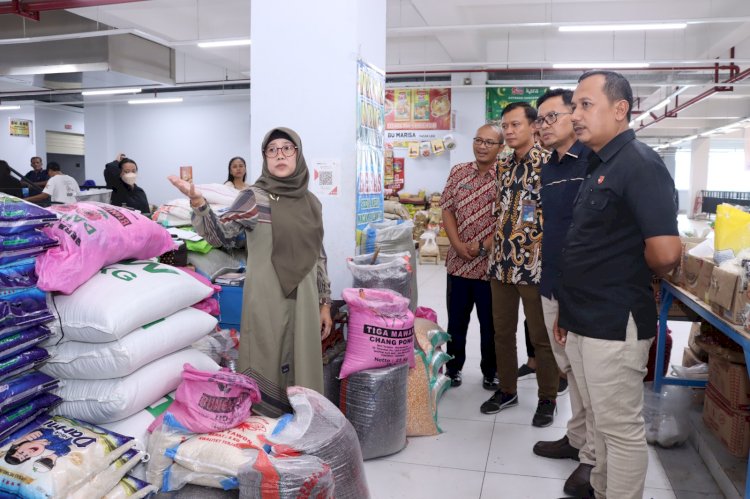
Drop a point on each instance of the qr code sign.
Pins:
(326, 178)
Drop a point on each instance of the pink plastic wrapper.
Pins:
(93, 235)
(209, 305)
(381, 330)
(426, 313)
(207, 402)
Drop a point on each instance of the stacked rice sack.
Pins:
(378, 358)
(123, 330)
(426, 383)
(24, 391)
(177, 213)
(60, 457)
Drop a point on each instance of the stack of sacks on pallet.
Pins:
(177, 213)
(123, 330)
(23, 313)
(62, 457)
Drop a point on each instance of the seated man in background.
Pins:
(38, 175)
(124, 190)
(60, 188)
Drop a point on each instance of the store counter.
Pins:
(670, 292)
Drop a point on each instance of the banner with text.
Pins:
(418, 109)
(370, 146)
(499, 97)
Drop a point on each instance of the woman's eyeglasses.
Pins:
(485, 142)
(287, 150)
(550, 119)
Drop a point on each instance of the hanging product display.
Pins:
(418, 109)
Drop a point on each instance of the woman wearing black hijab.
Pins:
(286, 298)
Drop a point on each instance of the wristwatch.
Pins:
(482, 250)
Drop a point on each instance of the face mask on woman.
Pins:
(129, 178)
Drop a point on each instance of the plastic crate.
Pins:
(230, 305)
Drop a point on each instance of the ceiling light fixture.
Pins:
(224, 43)
(112, 91)
(170, 100)
(620, 27)
(600, 65)
(657, 106)
(9, 108)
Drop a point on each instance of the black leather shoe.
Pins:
(559, 449)
(578, 483)
(490, 382)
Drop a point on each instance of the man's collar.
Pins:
(613, 146)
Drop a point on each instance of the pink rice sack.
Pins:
(209, 305)
(206, 402)
(426, 313)
(93, 235)
(380, 332)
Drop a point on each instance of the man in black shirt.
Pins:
(38, 175)
(562, 176)
(624, 230)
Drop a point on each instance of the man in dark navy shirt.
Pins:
(624, 230)
(38, 175)
(561, 177)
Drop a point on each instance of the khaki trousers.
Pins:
(581, 424)
(610, 379)
(505, 298)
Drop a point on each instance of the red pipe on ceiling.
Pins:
(673, 112)
(32, 9)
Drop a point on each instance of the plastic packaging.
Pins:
(67, 453)
(130, 487)
(93, 235)
(212, 401)
(23, 414)
(374, 401)
(12, 343)
(289, 478)
(390, 271)
(21, 388)
(18, 274)
(666, 415)
(105, 480)
(425, 313)
(381, 330)
(22, 362)
(319, 429)
(421, 414)
(17, 215)
(22, 245)
(220, 344)
(23, 308)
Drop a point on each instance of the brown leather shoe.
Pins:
(578, 483)
(559, 449)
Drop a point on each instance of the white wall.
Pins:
(17, 151)
(55, 119)
(203, 132)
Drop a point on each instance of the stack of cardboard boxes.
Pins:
(726, 409)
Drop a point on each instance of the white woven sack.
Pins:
(109, 400)
(121, 298)
(79, 360)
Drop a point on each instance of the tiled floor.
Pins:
(484, 456)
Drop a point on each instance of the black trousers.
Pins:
(462, 295)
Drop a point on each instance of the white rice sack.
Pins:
(105, 401)
(115, 359)
(224, 452)
(136, 426)
(105, 480)
(218, 194)
(176, 477)
(56, 457)
(161, 440)
(130, 487)
(123, 297)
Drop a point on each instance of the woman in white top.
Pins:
(237, 171)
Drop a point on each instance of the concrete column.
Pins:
(699, 149)
(467, 100)
(304, 76)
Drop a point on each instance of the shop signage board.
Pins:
(20, 127)
(418, 109)
(499, 97)
(370, 144)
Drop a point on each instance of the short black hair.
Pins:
(127, 160)
(616, 86)
(567, 96)
(528, 109)
(53, 166)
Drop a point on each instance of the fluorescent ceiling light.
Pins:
(9, 108)
(620, 27)
(224, 43)
(112, 91)
(690, 137)
(600, 65)
(155, 101)
(658, 106)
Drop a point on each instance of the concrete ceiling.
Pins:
(518, 41)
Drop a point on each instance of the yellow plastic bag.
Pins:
(732, 232)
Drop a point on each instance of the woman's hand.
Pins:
(326, 323)
(188, 189)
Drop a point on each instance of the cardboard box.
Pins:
(689, 359)
(698, 351)
(697, 272)
(443, 241)
(677, 275)
(730, 381)
(728, 294)
(730, 426)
